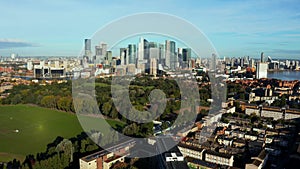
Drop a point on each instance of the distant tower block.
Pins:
(261, 70)
(87, 47)
(29, 65)
(153, 66)
(262, 59)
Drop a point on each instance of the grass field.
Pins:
(36, 127)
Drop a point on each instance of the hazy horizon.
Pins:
(235, 28)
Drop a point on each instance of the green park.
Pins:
(27, 129)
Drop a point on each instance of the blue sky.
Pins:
(236, 28)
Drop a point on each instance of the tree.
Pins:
(106, 108)
(66, 147)
(49, 101)
(131, 129)
(64, 103)
(16, 99)
(146, 129)
(83, 145)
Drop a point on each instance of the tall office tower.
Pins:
(170, 54)
(292, 63)
(152, 45)
(29, 65)
(252, 63)
(287, 63)
(262, 58)
(87, 47)
(261, 70)
(161, 55)
(108, 58)
(242, 62)
(97, 54)
(56, 63)
(146, 50)
(143, 50)
(87, 52)
(179, 56)
(104, 49)
(186, 57)
(153, 66)
(100, 51)
(154, 53)
(179, 53)
(213, 64)
(65, 63)
(124, 56)
(227, 61)
(246, 60)
(296, 64)
(232, 62)
(238, 61)
(42, 63)
(132, 53)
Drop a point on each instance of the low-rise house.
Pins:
(196, 163)
(259, 161)
(269, 139)
(104, 159)
(239, 134)
(219, 158)
(228, 132)
(250, 137)
(272, 132)
(231, 109)
(224, 141)
(239, 143)
(259, 130)
(221, 124)
(191, 151)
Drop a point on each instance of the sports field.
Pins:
(26, 129)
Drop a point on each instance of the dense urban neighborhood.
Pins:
(255, 125)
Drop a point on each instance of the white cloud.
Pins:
(8, 43)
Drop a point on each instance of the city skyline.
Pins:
(235, 28)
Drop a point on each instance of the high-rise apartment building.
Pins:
(100, 52)
(186, 57)
(124, 56)
(261, 70)
(262, 58)
(153, 66)
(143, 50)
(171, 58)
(87, 47)
(132, 53)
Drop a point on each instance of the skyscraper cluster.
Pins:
(143, 57)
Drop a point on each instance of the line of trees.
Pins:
(55, 96)
(61, 153)
(59, 96)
